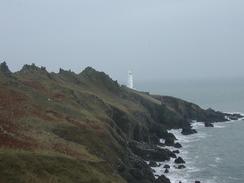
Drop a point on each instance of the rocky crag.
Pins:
(69, 128)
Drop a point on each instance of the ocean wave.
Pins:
(235, 113)
(192, 170)
(197, 125)
(218, 159)
(213, 165)
(175, 175)
(220, 125)
(213, 180)
(233, 178)
(187, 140)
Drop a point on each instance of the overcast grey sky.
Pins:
(156, 39)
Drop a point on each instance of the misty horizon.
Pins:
(158, 40)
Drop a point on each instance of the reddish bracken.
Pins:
(61, 148)
(35, 85)
(59, 96)
(12, 103)
(11, 110)
(76, 122)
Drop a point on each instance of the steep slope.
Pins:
(67, 127)
(191, 111)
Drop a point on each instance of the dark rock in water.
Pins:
(188, 131)
(180, 167)
(176, 151)
(153, 164)
(234, 116)
(166, 166)
(166, 170)
(168, 135)
(197, 182)
(179, 160)
(208, 124)
(169, 142)
(162, 179)
(169, 139)
(172, 155)
(177, 145)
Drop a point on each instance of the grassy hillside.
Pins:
(67, 127)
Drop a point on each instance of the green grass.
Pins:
(29, 167)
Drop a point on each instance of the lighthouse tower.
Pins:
(130, 80)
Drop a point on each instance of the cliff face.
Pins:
(191, 111)
(67, 127)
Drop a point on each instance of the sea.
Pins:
(213, 155)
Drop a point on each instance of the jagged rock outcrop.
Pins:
(162, 179)
(179, 160)
(207, 124)
(33, 72)
(100, 78)
(176, 151)
(180, 166)
(177, 145)
(32, 68)
(188, 131)
(166, 166)
(4, 69)
(234, 116)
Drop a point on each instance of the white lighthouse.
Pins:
(130, 80)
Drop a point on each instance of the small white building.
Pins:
(130, 80)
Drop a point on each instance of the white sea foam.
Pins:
(197, 125)
(183, 175)
(234, 178)
(162, 141)
(213, 165)
(235, 113)
(176, 175)
(186, 175)
(218, 159)
(220, 125)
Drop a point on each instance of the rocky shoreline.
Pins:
(158, 156)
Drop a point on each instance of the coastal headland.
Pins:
(87, 128)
